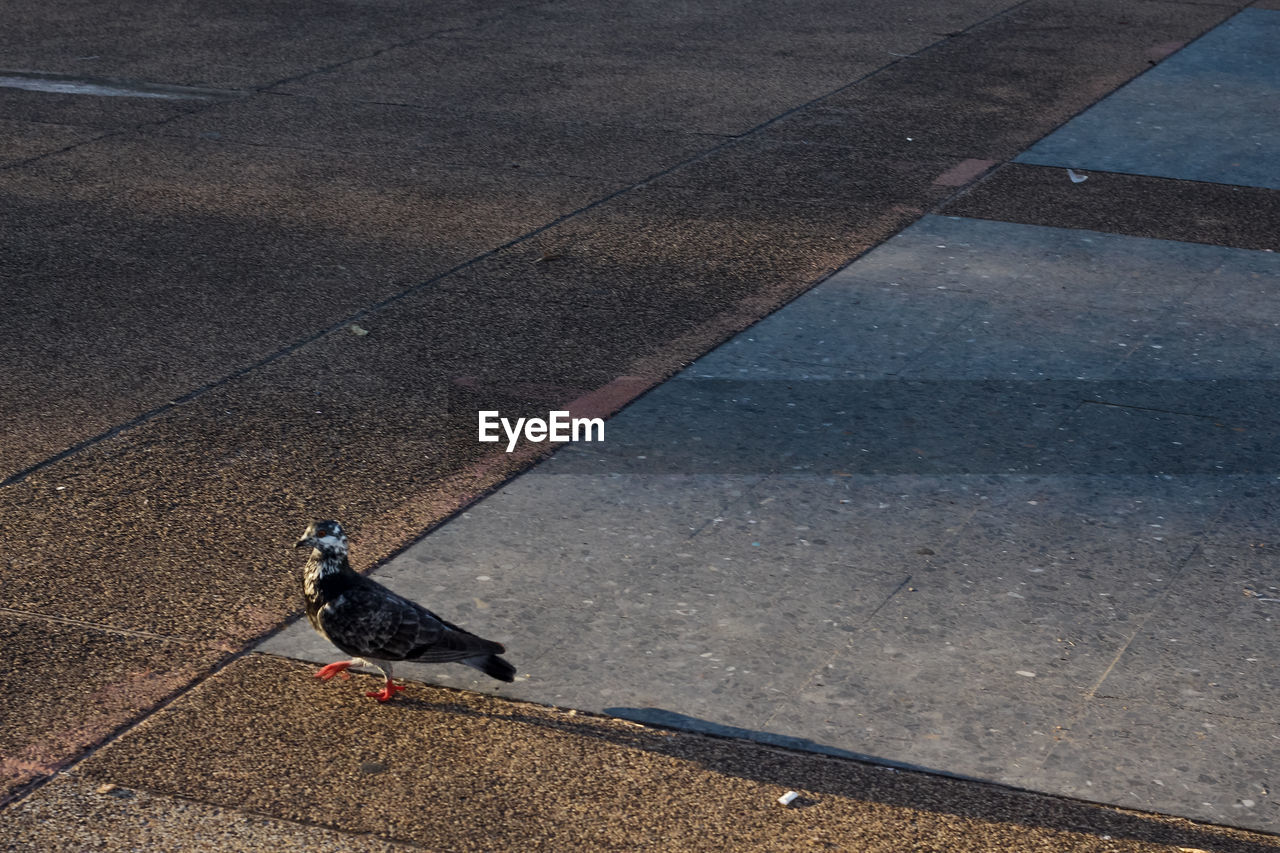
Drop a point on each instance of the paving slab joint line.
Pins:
(288, 349)
(229, 95)
(898, 58)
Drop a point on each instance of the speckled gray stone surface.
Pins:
(986, 502)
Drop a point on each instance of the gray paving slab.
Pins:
(1156, 755)
(1236, 591)
(1211, 112)
(853, 529)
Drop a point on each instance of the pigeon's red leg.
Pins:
(339, 668)
(388, 690)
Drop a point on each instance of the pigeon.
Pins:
(370, 622)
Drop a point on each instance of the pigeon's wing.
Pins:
(451, 643)
(370, 621)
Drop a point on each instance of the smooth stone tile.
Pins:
(1189, 345)
(1034, 262)
(839, 427)
(926, 702)
(953, 298)
(1026, 342)
(1134, 439)
(858, 522)
(1205, 114)
(1174, 661)
(1245, 285)
(1169, 759)
(1249, 505)
(848, 330)
(1097, 509)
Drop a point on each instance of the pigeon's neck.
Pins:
(322, 565)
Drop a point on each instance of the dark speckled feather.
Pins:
(370, 621)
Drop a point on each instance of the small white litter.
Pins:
(788, 798)
(1076, 177)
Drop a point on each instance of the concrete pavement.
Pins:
(545, 206)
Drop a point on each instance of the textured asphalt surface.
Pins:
(275, 276)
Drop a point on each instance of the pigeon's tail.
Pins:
(493, 666)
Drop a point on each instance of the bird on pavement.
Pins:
(374, 625)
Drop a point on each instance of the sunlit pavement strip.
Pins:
(991, 501)
(1210, 112)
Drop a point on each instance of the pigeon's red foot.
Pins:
(339, 668)
(386, 692)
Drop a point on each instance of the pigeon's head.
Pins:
(327, 537)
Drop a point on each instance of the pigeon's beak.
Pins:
(305, 540)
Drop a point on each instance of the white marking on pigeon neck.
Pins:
(331, 543)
